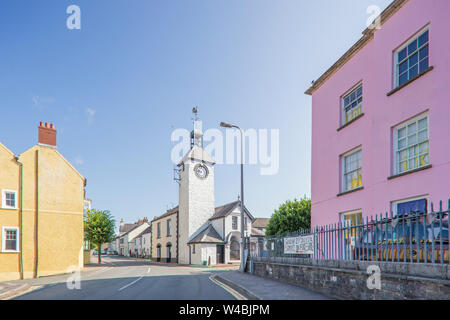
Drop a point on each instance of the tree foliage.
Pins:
(99, 228)
(291, 216)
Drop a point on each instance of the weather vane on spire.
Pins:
(195, 113)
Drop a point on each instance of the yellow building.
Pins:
(41, 211)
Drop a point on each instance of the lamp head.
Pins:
(226, 125)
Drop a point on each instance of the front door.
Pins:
(351, 233)
(169, 255)
(220, 253)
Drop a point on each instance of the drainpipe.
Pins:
(20, 216)
(37, 216)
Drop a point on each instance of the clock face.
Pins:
(201, 171)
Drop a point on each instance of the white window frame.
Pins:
(232, 223)
(168, 227)
(408, 42)
(343, 182)
(405, 124)
(349, 92)
(395, 203)
(4, 206)
(4, 229)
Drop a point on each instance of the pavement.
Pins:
(122, 278)
(257, 288)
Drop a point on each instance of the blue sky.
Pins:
(117, 88)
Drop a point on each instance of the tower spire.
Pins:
(197, 132)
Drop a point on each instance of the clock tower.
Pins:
(196, 191)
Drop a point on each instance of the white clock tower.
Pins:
(196, 191)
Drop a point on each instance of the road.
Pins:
(127, 279)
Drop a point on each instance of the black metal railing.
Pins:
(416, 237)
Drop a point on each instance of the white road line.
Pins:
(97, 272)
(130, 284)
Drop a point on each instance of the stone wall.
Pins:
(348, 279)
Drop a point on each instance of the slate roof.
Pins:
(127, 227)
(260, 223)
(208, 235)
(225, 210)
(168, 213)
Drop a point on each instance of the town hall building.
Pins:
(196, 232)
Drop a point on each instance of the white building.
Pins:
(196, 232)
(125, 241)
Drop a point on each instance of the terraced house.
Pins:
(41, 212)
(380, 119)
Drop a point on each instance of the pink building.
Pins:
(381, 118)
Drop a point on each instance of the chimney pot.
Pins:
(47, 134)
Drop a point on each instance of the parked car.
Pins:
(409, 238)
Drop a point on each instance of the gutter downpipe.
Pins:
(20, 216)
(37, 216)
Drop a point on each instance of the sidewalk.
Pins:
(257, 288)
(9, 290)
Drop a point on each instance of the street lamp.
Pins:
(227, 125)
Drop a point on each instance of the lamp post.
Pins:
(227, 125)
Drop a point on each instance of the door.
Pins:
(349, 221)
(220, 253)
(158, 253)
(169, 254)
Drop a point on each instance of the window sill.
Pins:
(350, 122)
(409, 172)
(349, 191)
(8, 208)
(409, 81)
(9, 251)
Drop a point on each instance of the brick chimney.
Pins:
(47, 134)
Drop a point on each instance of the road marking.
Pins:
(130, 284)
(233, 292)
(96, 272)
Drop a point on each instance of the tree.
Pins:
(291, 216)
(99, 228)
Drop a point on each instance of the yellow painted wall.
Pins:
(60, 216)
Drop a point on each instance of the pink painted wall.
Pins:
(374, 66)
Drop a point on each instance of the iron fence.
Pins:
(416, 237)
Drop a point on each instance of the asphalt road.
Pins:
(126, 279)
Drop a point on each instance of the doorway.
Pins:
(220, 254)
(235, 250)
(349, 221)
